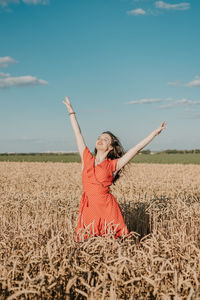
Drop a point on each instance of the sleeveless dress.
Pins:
(99, 212)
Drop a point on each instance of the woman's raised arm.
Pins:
(75, 126)
(122, 161)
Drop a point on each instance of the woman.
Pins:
(99, 212)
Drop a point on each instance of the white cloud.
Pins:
(4, 74)
(6, 80)
(20, 81)
(160, 5)
(174, 83)
(5, 3)
(180, 102)
(136, 12)
(168, 6)
(4, 61)
(35, 2)
(167, 102)
(144, 101)
(195, 82)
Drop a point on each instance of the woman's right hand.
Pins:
(160, 128)
(68, 104)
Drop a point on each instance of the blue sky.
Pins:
(127, 65)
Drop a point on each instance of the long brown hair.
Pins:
(117, 151)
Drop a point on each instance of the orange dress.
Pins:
(99, 212)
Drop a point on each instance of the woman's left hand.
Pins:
(160, 128)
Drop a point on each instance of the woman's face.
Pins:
(104, 142)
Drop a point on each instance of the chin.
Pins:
(100, 147)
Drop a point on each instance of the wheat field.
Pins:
(40, 258)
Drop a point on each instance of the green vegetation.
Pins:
(174, 151)
(41, 157)
(165, 157)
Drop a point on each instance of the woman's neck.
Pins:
(100, 157)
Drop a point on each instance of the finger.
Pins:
(66, 104)
(67, 99)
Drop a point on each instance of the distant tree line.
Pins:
(172, 151)
(169, 151)
(39, 154)
(147, 151)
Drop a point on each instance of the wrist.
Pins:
(155, 133)
(71, 113)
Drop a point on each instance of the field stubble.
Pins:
(39, 258)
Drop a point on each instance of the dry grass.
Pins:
(39, 258)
